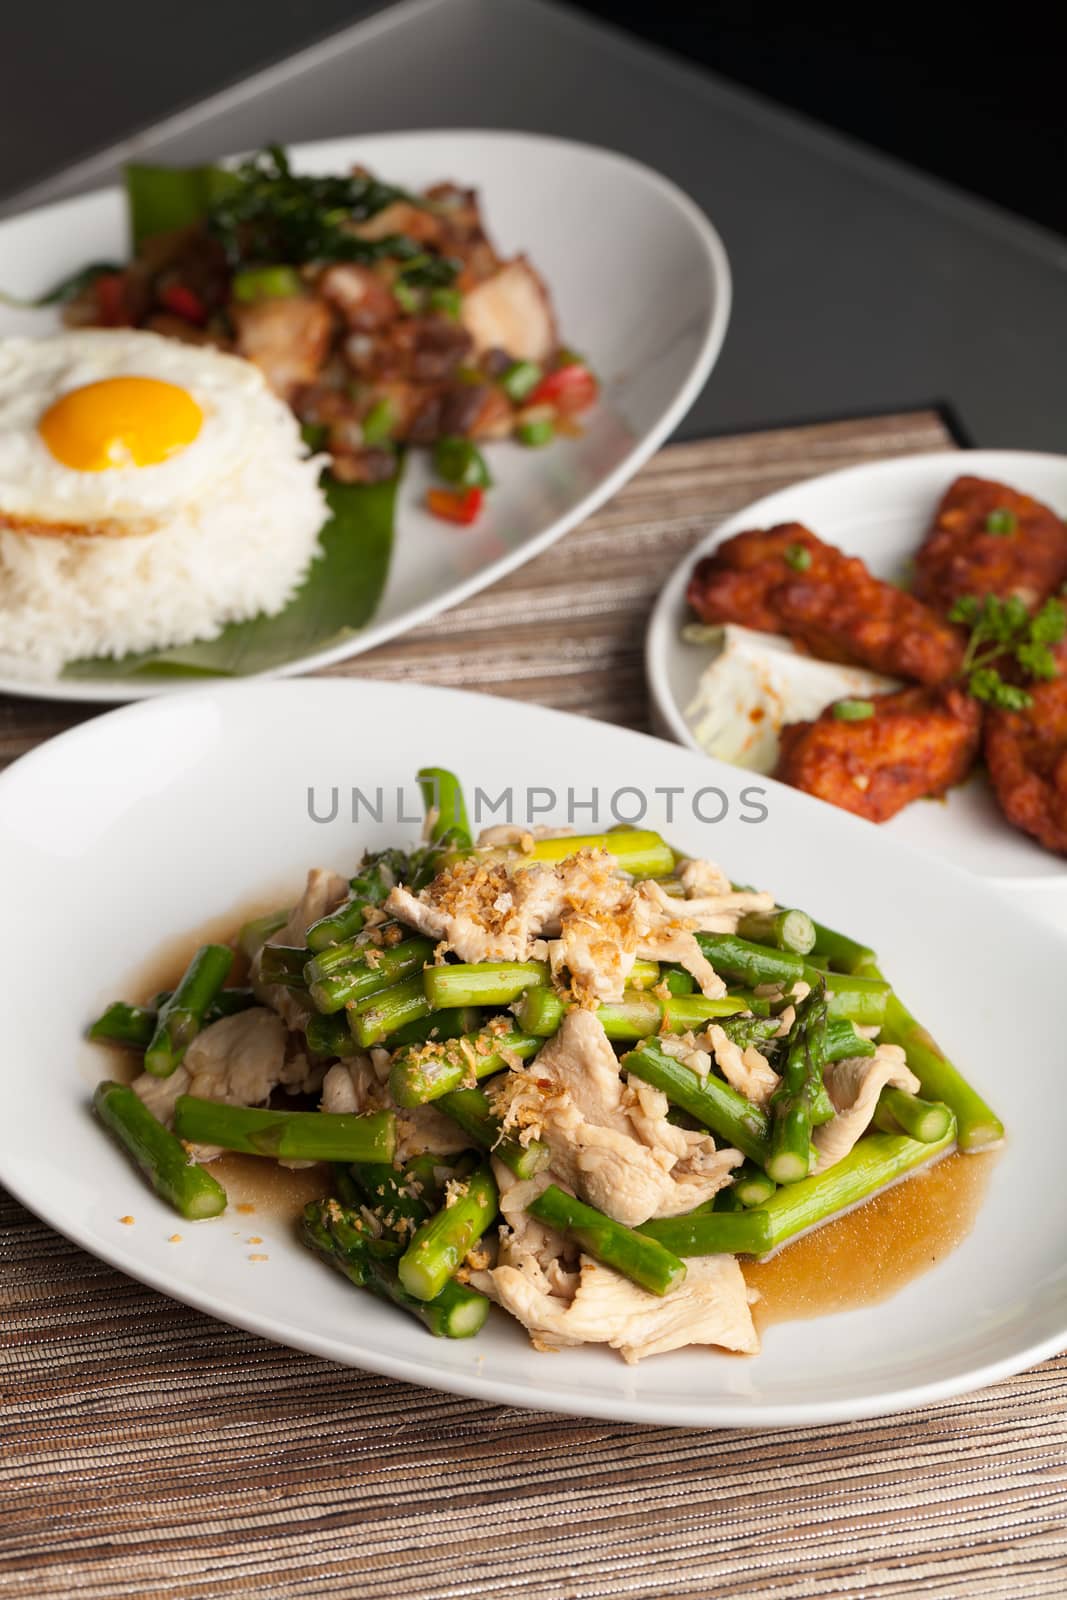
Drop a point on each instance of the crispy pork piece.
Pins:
(989, 539)
(1026, 754)
(288, 339)
(918, 742)
(511, 311)
(786, 580)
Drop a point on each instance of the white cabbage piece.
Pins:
(758, 682)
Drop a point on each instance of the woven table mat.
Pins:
(146, 1450)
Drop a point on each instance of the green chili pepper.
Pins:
(520, 379)
(459, 461)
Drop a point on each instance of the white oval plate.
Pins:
(142, 824)
(640, 281)
(879, 511)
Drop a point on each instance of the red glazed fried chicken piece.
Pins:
(989, 539)
(786, 580)
(917, 742)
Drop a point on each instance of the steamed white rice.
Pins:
(241, 548)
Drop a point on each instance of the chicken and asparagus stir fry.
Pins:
(577, 1077)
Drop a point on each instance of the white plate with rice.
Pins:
(170, 794)
(651, 332)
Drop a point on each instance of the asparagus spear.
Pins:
(843, 1042)
(254, 934)
(134, 1025)
(713, 1233)
(331, 1036)
(751, 1185)
(470, 1108)
(753, 964)
(636, 1016)
(283, 964)
(190, 1189)
(678, 981)
(781, 929)
(440, 1245)
(286, 1135)
(400, 1198)
(711, 1101)
(358, 1232)
(744, 1031)
(437, 1026)
(443, 794)
(978, 1125)
(877, 1160)
(900, 1112)
(457, 1313)
(427, 1072)
(123, 1024)
(378, 873)
(540, 1011)
(380, 1015)
(840, 953)
(334, 985)
(794, 1100)
(482, 983)
(180, 1019)
(641, 1260)
(638, 851)
(861, 997)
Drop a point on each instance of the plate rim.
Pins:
(717, 265)
(668, 714)
(718, 1412)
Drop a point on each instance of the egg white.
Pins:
(35, 488)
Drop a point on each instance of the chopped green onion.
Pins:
(798, 556)
(448, 301)
(266, 283)
(459, 461)
(379, 422)
(853, 710)
(536, 427)
(520, 379)
(1002, 522)
(407, 298)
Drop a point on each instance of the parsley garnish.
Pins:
(1003, 631)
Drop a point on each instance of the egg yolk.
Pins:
(120, 422)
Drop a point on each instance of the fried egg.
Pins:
(113, 431)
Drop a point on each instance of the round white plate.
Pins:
(641, 284)
(146, 822)
(881, 512)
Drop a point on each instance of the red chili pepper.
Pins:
(184, 303)
(570, 389)
(110, 293)
(455, 505)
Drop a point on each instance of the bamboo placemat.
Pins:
(148, 1451)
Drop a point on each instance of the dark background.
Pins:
(977, 98)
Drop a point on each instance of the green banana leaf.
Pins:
(161, 199)
(338, 597)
